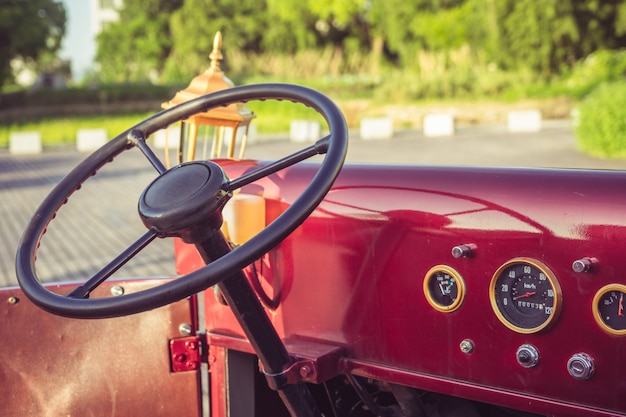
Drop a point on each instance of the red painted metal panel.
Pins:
(218, 381)
(55, 366)
(352, 274)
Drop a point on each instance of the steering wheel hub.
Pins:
(185, 201)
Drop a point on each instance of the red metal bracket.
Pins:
(302, 370)
(313, 362)
(185, 354)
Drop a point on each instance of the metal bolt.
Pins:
(305, 371)
(192, 365)
(117, 290)
(467, 346)
(180, 357)
(185, 329)
(191, 345)
(12, 300)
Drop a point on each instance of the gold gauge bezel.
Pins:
(596, 311)
(552, 280)
(459, 283)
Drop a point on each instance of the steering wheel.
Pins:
(184, 201)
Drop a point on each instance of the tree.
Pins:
(28, 30)
(242, 23)
(550, 36)
(136, 46)
(173, 38)
(293, 28)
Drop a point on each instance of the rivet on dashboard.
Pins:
(465, 250)
(584, 264)
(467, 346)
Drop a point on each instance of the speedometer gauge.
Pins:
(608, 308)
(525, 295)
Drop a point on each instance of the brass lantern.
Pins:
(216, 125)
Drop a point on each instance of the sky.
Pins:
(79, 44)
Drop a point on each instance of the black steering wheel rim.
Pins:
(335, 149)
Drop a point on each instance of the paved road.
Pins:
(101, 219)
(553, 147)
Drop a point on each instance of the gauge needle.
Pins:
(443, 292)
(528, 294)
(620, 308)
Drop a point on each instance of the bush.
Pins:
(601, 128)
(105, 94)
(600, 67)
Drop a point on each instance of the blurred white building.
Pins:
(104, 12)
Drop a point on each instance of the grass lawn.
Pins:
(63, 130)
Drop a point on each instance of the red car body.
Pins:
(353, 294)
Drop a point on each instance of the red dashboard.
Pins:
(498, 285)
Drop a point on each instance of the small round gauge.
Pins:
(525, 295)
(608, 308)
(444, 288)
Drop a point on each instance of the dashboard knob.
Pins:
(527, 356)
(583, 265)
(463, 251)
(580, 366)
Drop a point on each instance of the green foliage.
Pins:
(28, 29)
(601, 128)
(193, 29)
(113, 95)
(135, 48)
(170, 40)
(441, 30)
(463, 83)
(551, 35)
(389, 21)
(292, 27)
(532, 32)
(597, 68)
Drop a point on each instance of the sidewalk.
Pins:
(101, 219)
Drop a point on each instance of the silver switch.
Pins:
(580, 366)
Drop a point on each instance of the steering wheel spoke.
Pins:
(129, 253)
(320, 147)
(138, 138)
